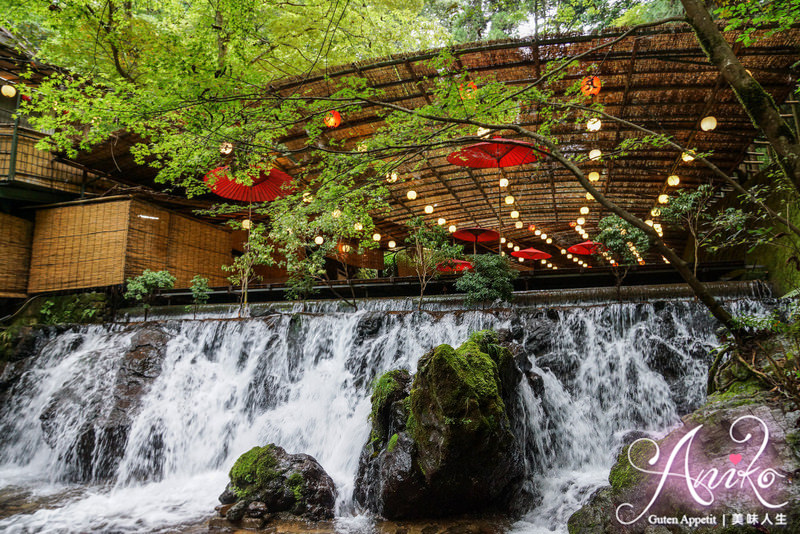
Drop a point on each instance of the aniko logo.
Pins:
(745, 474)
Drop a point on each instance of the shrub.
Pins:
(490, 280)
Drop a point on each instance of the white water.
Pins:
(302, 381)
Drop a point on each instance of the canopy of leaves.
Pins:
(618, 235)
(490, 280)
(144, 287)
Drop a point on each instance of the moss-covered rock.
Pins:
(711, 446)
(443, 444)
(265, 481)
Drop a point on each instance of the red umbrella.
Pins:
(494, 154)
(268, 185)
(531, 254)
(584, 249)
(454, 266)
(476, 235)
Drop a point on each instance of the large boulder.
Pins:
(732, 429)
(99, 425)
(443, 444)
(267, 482)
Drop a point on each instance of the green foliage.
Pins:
(774, 15)
(144, 287)
(429, 245)
(200, 292)
(490, 280)
(617, 235)
(646, 12)
(80, 308)
(253, 470)
(392, 442)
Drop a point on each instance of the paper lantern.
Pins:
(589, 196)
(376, 237)
(509, 200)
(336, 213)
(392, 244)
(226, 148)
(594, 176)
(452, 228)
(441, 221)
(687, 157)
(549, 240)
(595, 154)
(581, 221)
(9, 91)
(412, 195)
(655, 212)
(516, 248)
(673, 180)
(543, 236)
(391, 177)
(358, 227)
(503, 182)
(649, 222)
(319, 240)
(428, 209)
(246, 224)
(518, 224)
(515, 214)
(584, 210)
(708, 123)
(563, 251)
(590, 85)
(521, 259)
(663, 199)
(510, 244)
(332, 119)
(502, 240)
(532, 228)
(594, 124)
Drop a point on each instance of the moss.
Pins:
(252, 470)
(386, 386)
(392, 442)
(623, 475)
(298, 486)
(739, 393)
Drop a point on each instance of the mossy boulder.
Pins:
(267, 481)
(711, 447)
(443, 444)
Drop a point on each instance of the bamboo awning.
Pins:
(658, 78)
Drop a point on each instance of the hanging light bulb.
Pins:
(246, 224)
(708, 123)
(549, 241)
(428, 209)
(514, 214)
(411, 194)
(510, 244)
(358, 227)
(392, 244)
(550, 265)
(319, 240)
(225, 148)
(655, 212)
(509, 200)
(503, 182)
(663, 199)
(595, 154)
(441, 221)
(569, 256)
(673, 180)
(452, 228)
(687, 157)
(589, 196)
(518, 224)
(584, 210)
(376, 237)
(579, 228)
(594, 124)
(391, 177)
(502, 240)
(544, 262)
(585, 235)
(544, 237)
(516, 248)
(581, 221)
(594, 176)
(537, 232)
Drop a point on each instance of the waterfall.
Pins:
(302, 380)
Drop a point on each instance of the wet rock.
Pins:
(268, 480)
(443, 444)
(724, 421)
(99, 443)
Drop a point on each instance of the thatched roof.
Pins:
(657, 77)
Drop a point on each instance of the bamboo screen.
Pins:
(95, 244)
(15, 255)
(79, 246)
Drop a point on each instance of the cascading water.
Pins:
(303, 381)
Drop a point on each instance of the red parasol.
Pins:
(531, 254)
(584, 249)
(454, 266)
(268, 185)
(476, 235)
(494, 154)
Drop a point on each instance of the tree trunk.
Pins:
(758, 104)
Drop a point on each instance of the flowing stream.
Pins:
(302, 380)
